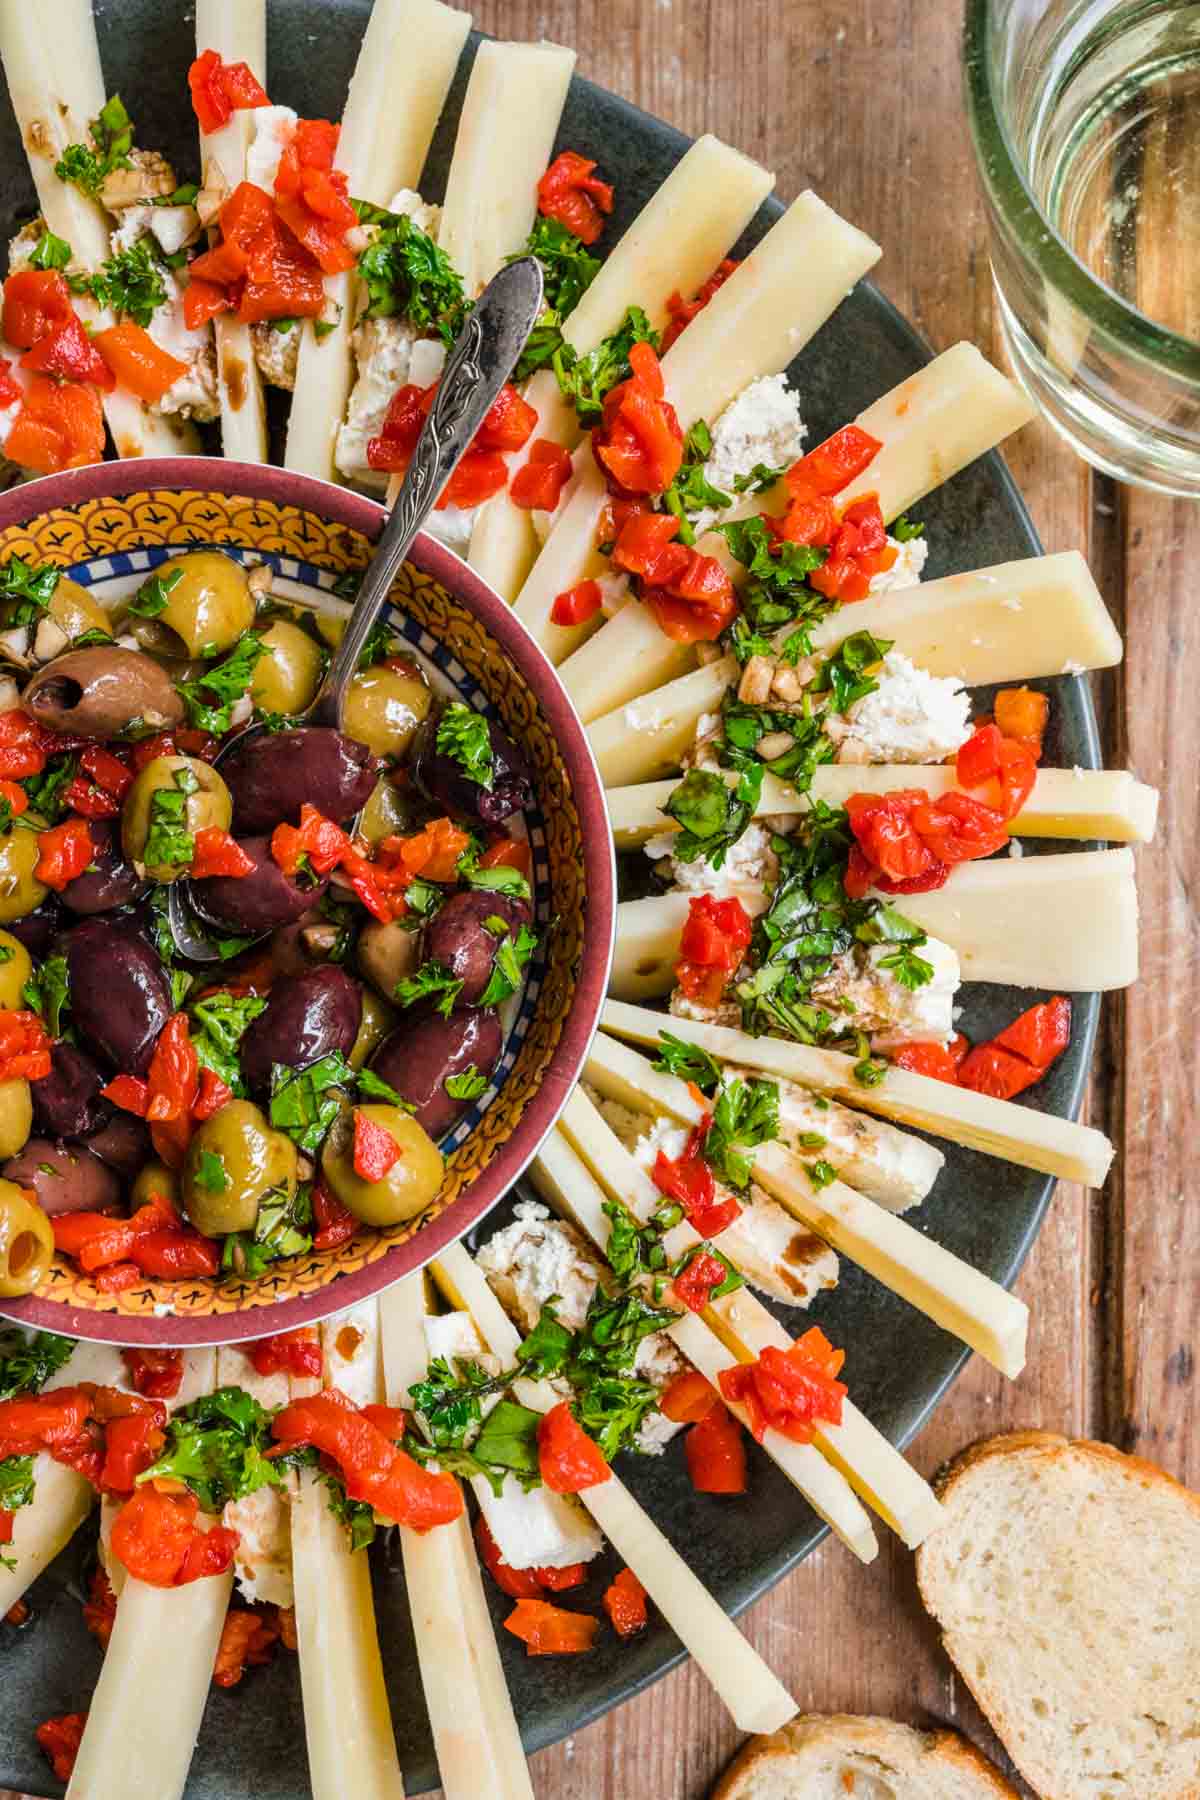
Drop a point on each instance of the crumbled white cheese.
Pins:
(384, 349)
(627, 1124)
(452, 1334)
(538, 1529)
(23, 245)
(427, 361)
(453, 526)
(263, 1559)
(277, 352)
(1015, 847)
(873, 1000)
(912, 717)
(425, 217)
(762, 425)
(135, 223)
(749, 863)
(664, 1136)
(194, 395)
(274, 127)
(911, 558)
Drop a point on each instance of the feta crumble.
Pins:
(749, 863)
(906, 571)
(274, 128)
(912, 717)
(762, 425)
(873, 1000)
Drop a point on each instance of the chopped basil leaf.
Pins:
(283, 1228)
(31, 586)
(760, 478)
(305, 1102)
(228, 681)
(547, 1347)
(372, 1088)
(844, 676)
(712, 814)
(48, 791)
(508, 1439)
(169, 843)
(223, 1020)
(501, 879)
(210, 1173)
(153, 595)
(449, 1399)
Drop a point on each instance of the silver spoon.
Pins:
(481, 361)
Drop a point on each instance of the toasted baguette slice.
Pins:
(1066, 1581)
(818, 1758)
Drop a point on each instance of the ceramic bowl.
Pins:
(107, 527)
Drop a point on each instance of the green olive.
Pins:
(208, 804)
(390, 812)
(232, 1161)
(26, 1241)
(377, 1020)
(332, 627)
(16, 1116)
(210, 606)
(154, 1178)
(387, 953)
(15, 970)
(409, 1185)
(384, 709)
(20, 890)
(74, 611)
(289, 671)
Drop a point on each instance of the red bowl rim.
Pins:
(261, 481)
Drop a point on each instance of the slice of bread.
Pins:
(1066, 1581)
(843, 1758)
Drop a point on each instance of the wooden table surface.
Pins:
(862, 102)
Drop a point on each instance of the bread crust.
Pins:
(905, 1751)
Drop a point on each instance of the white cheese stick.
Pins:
(1020, 1134)
(475, 1735)
(649, 736)
(56, 86)
(409, 53)
(1066, 921)
(1065, 803)
(755, 1699)
(890, 1166)
(145, 1713)
(506, 132)
(762, 317)
(562, 1179)
(702, 207)
(237, 31)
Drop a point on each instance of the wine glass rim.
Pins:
(1003, 176)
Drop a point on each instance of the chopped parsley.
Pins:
(508, 970)
(380, 642)
(843, 676)
(498, 880)
(599, 1361)
(48, 992)
(745, 1114)
(130, 283)
(26, 590)
(632, 1249)
(568, 272)
(226, 682)
(87, 166)
(27, 1363)
(463, 736)
(50, 252)
(711, 814)
(905, 529)
(48, 791)
(217, 1447)
(586, 380)
(356, 1517)
(450, 1398)
(407, 276)
(777, 592)
(223, 1020)
(432, 981)
(689, 1062)
(691, 491)
(169, 843)
(760, 478)
(17, 1489)
(468, 1085)
(305, 1102)
(153, 595)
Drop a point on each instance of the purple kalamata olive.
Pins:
(307, 1017)
(123, 1143)
(458, 938)
(100, 693)
(422, 1054)
(120, 995)
(37, 930)
(272, 774)
(261, 901)
(66, 1102)
(65, 1177)
(445, 781)
(111, 881)
(295, 949)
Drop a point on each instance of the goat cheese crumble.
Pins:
(761, 425)
(911, 717)
(906, 571)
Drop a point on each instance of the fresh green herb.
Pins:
(223, 1020)
(370, 1087)
(905, 529)
(821, 1173)
(760, 478)
(153, 595)
(909, 969)
(432, 981)
(283, 326)
(407, 276)
(843, 675)
(547, 1348)
(356, 1518)
(691, 491)
(466, 1086)
(210, 1173)
(112, 140)
(169, 843)
(27, 1363)
(30, 587)
(732, 1281)
(633, 1250)
(568, 269)
(809, 1140)
(463, 735)
(777, 592)
(283, 1228)
(17, 1489)
(585, 380)
(745, 1114)
(182, 980)
(422, 899)
(48, 791)
(381, 641)
(323, 327)
(689, 1062)
(869, 1071)
(184, 195)
(50, 252)
(217, 1447)
(712, 814)
(512, 955)
(305, 1102)
(884, 925)
(499, 880)
(450, 1398)
(48, 992)
(228, 681)
(130, 283)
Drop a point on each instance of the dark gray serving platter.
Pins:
(898, 1363)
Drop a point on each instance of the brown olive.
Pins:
(288, 672)
(16, 1116)
(20, 890)
(206, 802)
(384, 709)
(410, 1184)
(100, 693)
(26, 1242)
(233, 1160)
(15, 970)
(387, 953)
(209, 603)
(377, 1020)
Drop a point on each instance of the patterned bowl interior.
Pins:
(110, 544)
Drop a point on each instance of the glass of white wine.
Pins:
(1085, 116)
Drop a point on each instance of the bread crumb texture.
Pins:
(838, 1757)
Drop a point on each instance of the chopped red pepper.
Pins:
(374, 1469)
(54, 1420)
(577, 604)
(118, 1278)
(697, 605)
(89, 801)
(131, 1444)
(173, 1081)
(570, 193)
(60, 1739)
(1022, 715)
(625, 1604)
(25, 745)
(714, 939)
(69, 354)
(100, 1607)
(934, 1060)
(211, 1095)
(288, 1352)
(220, 88)
(176, 1255)
(140, 365)
(695, 1283)
(681, 312)
(187, 742)
(156, 1537)
(35, 301)
(519, 1584)
(539, 482)
(202, 301)
(129, 1092)
(64, 852)
(313, 198)
(24, 1046)
(155, 1373)
(482, 471)
(1041, 1034)
(639, 441)
(60, 426)
(567, 1458)
(558, 1581)
(318, 838)
(835, 463)
(375, 1150)
(858, 550)
(217, 853)
(689, 1180)
(508, 853)
(7, 1520)
(108, 772)
(716, 1453)
(335, 1223)
(687, 1398)
(248, 1639)
(790, 1391)
(548, 1630)
(10, 389)
(14, 795)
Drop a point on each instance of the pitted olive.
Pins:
(26, 1242)
(385, 708)
(20, 890)
(16, 1115)
(289, 671)
(102, 692)
(377, 1020)
(209, 605)
(233, 1160)
(16, 967)
(193, 798)
(409, 1185)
